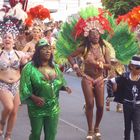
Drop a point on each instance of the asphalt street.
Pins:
(72, 122)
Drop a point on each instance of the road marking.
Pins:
(72, 125)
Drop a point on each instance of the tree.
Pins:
(120, 7)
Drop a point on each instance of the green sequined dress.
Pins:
(33, 82)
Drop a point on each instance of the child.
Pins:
(116, 69)
(128, 86)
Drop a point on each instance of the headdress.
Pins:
(99, 23)
(42, 42)
(74, 32)
(36, 15)
(10, 24)
(12, 19)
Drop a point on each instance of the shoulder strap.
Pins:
(17, 54)
(1, 52)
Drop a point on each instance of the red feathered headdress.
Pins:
(97, 22)
(37, 12)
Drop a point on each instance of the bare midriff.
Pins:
(10, 75)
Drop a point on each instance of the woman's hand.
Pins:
(68, 90)
(38, 100)
(77, 70)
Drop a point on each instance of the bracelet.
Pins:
(75, 66)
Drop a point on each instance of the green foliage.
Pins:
(120, 7)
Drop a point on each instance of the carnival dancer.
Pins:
(34, 21)
(96, 60)
(41, 81)
(37, 35)
(10, 62)
(82, 36)
(128, 87)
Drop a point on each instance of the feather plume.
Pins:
(122, 39)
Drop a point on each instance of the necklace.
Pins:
(9, 54)
(95, 46)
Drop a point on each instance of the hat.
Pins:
(135, 60)
(43, 42)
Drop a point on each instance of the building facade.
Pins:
(64, 8)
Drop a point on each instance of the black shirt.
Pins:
(128, 87)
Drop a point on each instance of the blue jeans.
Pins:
(131, 116)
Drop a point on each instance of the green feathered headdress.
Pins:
(121, 38)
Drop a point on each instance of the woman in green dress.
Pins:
(41, 81)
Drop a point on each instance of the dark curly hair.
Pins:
(87, 43)
(36, 59)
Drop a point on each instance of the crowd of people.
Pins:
(29, 74)
(31, 49)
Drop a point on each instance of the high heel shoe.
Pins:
(97, 134)
(7, 136)
(2, 123)
(90, 135)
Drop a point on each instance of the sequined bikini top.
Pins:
(4, 65)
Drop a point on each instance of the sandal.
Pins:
(2, 123)
(90, 135)
(7, 136)
(97, 134)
